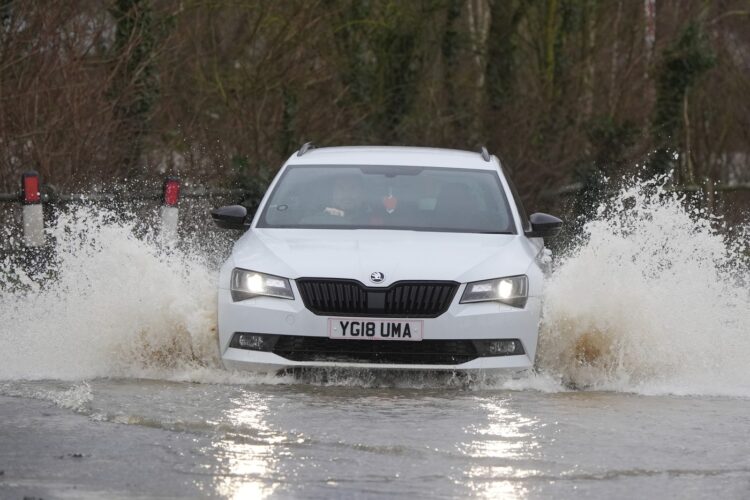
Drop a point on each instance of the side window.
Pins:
(517, 199)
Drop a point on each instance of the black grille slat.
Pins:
(427, 296)
(316, 294)
(410, 302)
(327, 297)
(427, 352)
(443, 295)
(422, 298)
(434, 296)
(406, 299)
(345, 295)
(339, 297)
(393, 299)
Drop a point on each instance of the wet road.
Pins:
(356, 439)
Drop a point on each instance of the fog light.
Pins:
(251, 342)
(254, 341)
(499, 347)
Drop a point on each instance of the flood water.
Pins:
(111, 387)
(151, 438)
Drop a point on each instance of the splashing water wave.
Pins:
(112, 304)
(650, 299)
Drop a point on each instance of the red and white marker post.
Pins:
(33, 215)
(170, 211)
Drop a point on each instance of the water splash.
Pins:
(112, 302)
(651, 299)
(76, 397)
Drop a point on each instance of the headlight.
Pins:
(248, 284)
(513, 291)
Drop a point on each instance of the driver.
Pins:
(347, 199)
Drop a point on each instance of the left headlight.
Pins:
(248, 284)
(513, 290)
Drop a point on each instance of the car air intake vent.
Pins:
(426, 352)
(403, 299)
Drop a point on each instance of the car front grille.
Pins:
(425, 352)
(403, 299)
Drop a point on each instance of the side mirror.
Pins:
(230, 217)
(544, 226)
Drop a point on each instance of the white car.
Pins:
(384, 257)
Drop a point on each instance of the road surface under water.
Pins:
(111, 386)
(142, 438)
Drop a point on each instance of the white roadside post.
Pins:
(33, 216)
(169, 211)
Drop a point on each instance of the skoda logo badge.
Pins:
(377, 277)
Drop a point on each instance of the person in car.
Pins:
(348, 199)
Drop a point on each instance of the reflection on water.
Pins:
(350, 442)
(503, 447)
(247, 458)
(502, 489)
(258, 455)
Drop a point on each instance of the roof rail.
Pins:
(305, 148)
(485, 154)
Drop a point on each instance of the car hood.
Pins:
(399, 255)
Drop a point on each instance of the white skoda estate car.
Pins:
(384, 257)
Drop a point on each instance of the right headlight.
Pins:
(248, 284)
(513, 290)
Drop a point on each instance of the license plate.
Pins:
(374, 329)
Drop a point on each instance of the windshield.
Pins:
(388, 197)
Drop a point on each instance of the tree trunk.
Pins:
(550, 37)
(478, 18)
(649, 35)
(613, 91)
(589, 71)
(688, 165)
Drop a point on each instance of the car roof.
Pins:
(394, 155)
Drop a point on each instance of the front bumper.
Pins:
(486, 320)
